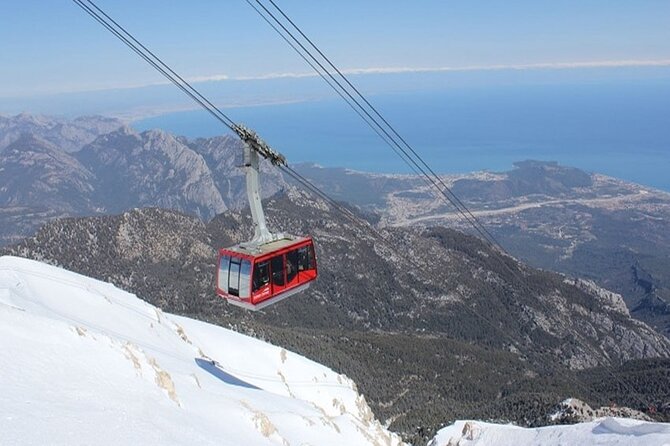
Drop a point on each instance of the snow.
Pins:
(83, 362)
(603, 431)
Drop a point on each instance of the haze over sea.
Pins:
(616, 128)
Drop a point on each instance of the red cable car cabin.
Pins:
(255, 277)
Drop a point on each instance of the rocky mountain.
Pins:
(43, 174)
(224, 157)
(150, 169)
(36, 172)
(40, 178)
(554, 217)
(433, 325)
(67, 135)
(39, 182)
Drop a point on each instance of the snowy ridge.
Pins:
(603, 431)
(86, 363)
(573, 409)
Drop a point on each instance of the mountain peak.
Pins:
(67, 135)
(152, 168)
(28, 118)
(30, 141)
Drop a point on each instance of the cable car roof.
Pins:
(266, 248)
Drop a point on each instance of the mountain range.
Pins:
(69, 135)
(434, 327)
(433, 324)
(554, 217)
(51, 168)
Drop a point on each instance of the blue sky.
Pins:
(53, 47)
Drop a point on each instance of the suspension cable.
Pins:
(390, 132)
(388, 125)
(129, 40)
(432, 180)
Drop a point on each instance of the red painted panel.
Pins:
(283, 281)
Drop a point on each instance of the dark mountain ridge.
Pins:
(552, 216)
(435, 327)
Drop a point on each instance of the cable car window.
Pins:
(234, 277)
(261, 275)
(291, 265)
(305, 258)
(277, 264)
(223, 273)
(245, 278)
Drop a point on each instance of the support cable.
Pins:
(330, 83)
(130, 41)
(445, 191)
(465, 214)
(388, 125)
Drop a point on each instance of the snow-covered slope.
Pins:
(603, 431)
(82, 362)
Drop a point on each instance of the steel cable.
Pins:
(130, 41)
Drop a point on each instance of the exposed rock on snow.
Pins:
(602, 431)
(575, 410)
(86, 363)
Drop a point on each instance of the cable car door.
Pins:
(278, 275)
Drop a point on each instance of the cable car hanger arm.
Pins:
(253, 147)
(251, 138)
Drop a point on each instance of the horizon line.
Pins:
(625, 63)
(494, 67)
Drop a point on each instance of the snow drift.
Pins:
(83, 362)
(603, 431)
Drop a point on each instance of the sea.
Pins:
(618, 129)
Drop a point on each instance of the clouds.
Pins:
(446, 69)
(221, 77)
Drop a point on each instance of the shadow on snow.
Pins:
(212, 368)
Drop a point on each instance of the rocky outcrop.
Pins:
(573, 410)
(151, 169)
(46, 173)
(36, 174)
(224, 157)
